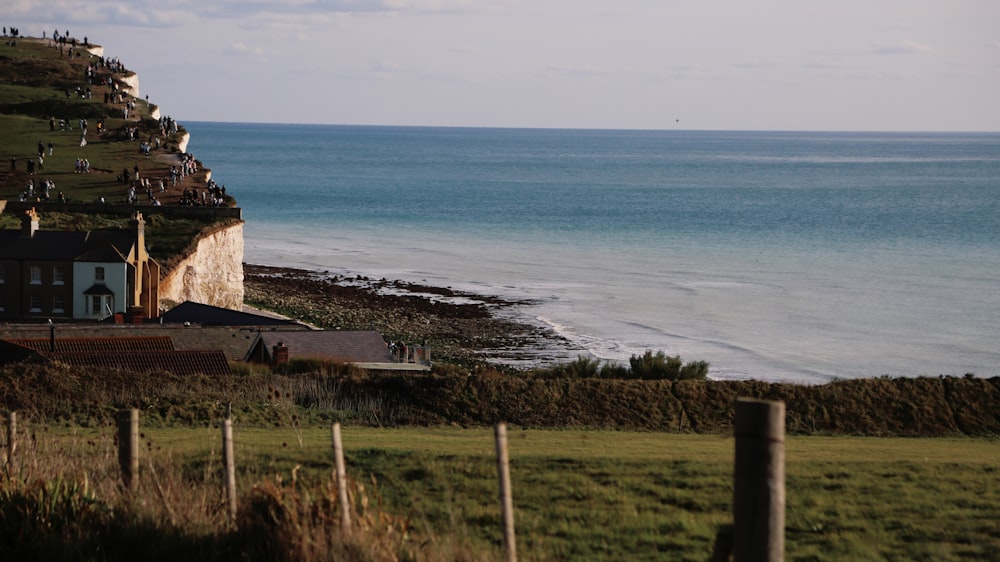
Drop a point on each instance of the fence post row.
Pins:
(506, 496)
(128, 447)
(759, 481)
(338, 458)
(229, 461)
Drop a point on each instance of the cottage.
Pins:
(76, 275)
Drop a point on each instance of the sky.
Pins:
(862, 65)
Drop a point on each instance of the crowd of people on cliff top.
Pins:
(211, 194)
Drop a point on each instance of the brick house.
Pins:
(63, 275)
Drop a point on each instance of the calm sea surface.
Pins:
(777, 256)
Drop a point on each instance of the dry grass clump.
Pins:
(63, 499)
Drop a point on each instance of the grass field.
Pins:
(605, 495)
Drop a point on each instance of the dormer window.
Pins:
(99, 275)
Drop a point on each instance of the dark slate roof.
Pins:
(98, 289)
(111, 246)
(176, 362)
(98, 344)
(208, 315)
(342, 346)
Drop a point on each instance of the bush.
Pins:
(662, 367)
(648, 366)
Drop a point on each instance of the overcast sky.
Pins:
(907, 65)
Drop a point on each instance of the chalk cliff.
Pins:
(213, 274)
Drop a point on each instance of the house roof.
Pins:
(341, 346)
(109, 246)
(97, 345)
(176, 362)
(233, 341)
(208, 315)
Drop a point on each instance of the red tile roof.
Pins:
(133, 344)
(176, 362)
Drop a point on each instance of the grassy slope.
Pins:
(33, 80)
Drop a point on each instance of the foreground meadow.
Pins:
(431, 494)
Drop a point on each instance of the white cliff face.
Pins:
(212, 275)
(131, 86)
(183, 144)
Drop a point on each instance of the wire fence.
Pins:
(757, 532)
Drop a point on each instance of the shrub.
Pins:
(663, 367)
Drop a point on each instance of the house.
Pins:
(143, 354)
(63, 275)
(363, 348)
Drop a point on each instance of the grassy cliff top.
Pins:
(47, 91)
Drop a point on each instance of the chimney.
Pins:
(279, 354)
(29, 223)
(139, 226)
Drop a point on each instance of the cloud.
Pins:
(156, 13)
(756, 64)
(239, 49)
(901, 48)
(994, 44)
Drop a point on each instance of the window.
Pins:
(101, 305)
(99, 274)
(58, 275)
(58, 304)
(36, 275)
(2, 305)
(36, 303)
(2, 276)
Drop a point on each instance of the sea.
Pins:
(797, 257)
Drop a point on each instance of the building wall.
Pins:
(49, 296)
(115, 278)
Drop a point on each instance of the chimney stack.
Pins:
(279, 354)
(29, 223)
(139, 226)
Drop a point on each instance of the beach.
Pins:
(459, 327)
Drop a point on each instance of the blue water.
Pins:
(777, 256)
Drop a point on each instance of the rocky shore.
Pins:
(460, 327)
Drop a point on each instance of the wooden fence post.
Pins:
(128, 447)
(338, 457)
(11, 437)
(759, 481)
(506, 496)
(230, 462)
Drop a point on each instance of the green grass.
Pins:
(606, 495)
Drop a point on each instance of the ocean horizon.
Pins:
(782, 256)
